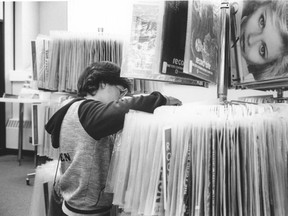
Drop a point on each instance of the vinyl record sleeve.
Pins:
(166, 151)
(259, 43)
(143, 48)
(202, 40)
(174, 37)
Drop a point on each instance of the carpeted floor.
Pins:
(15, 195)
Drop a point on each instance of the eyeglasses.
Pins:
(122, 91)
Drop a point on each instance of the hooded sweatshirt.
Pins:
(83, 129)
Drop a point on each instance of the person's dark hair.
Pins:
(100, 72)
(250, 7)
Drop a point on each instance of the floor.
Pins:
(15, 195)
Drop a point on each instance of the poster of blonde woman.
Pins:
(259, 34)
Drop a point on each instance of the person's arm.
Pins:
(100, 120)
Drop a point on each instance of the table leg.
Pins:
(20, 132)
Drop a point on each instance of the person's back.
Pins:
(86, 161)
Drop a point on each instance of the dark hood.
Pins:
(53, 126)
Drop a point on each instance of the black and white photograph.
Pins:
(144, 108)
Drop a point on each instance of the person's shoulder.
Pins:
(88, 108)
(88, 103)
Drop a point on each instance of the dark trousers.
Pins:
(55, 205)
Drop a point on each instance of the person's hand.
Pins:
(173, 101)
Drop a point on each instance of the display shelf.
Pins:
(281, 83)
(168, 78)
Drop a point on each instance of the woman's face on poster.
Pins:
(260, 38)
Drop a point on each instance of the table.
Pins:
(21, 102)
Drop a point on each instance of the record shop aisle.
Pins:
(15, 195)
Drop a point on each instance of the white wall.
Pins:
(31, 18)
(88, 16)
(26, 29)
(53, 16)
(34, 18)
(8, 52)
(1, 10)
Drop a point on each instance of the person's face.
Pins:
(260, 39)
(110, 93)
